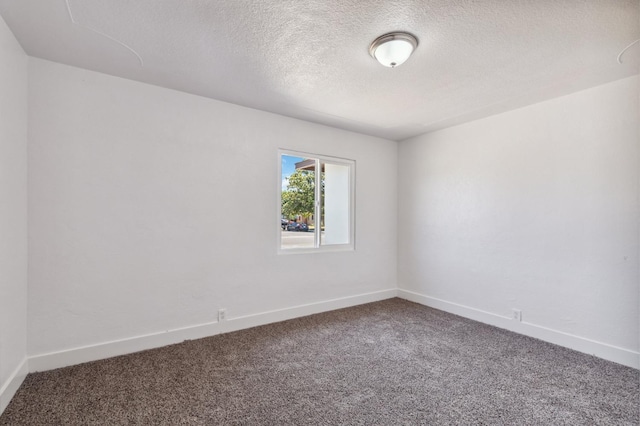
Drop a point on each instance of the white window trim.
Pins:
(352, 207)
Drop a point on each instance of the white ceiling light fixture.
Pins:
(393, 49)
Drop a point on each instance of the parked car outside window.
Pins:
(298, 227)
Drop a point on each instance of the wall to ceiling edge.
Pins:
(13, 215)
(535, 209)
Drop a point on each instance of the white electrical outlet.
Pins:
(517, 314)
(222, 315)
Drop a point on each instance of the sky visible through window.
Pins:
(288, 167)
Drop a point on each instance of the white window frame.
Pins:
(318, 247)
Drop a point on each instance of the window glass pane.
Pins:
(316, 203)
(335, 204)
(298, 202)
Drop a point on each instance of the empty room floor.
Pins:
(391, 362)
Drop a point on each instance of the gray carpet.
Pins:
(387, 363)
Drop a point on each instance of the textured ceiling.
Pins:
(309, 58)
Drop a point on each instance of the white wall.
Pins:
(535, 209)
(13, 214)
(150, 209)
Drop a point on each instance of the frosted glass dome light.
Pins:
(393, 49)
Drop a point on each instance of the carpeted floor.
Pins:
(386, 363)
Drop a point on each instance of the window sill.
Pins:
(325, 249)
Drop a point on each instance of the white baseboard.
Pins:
(10, 387)
(79, 355)
(65, 358)
(571, 341)
(269, 317)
